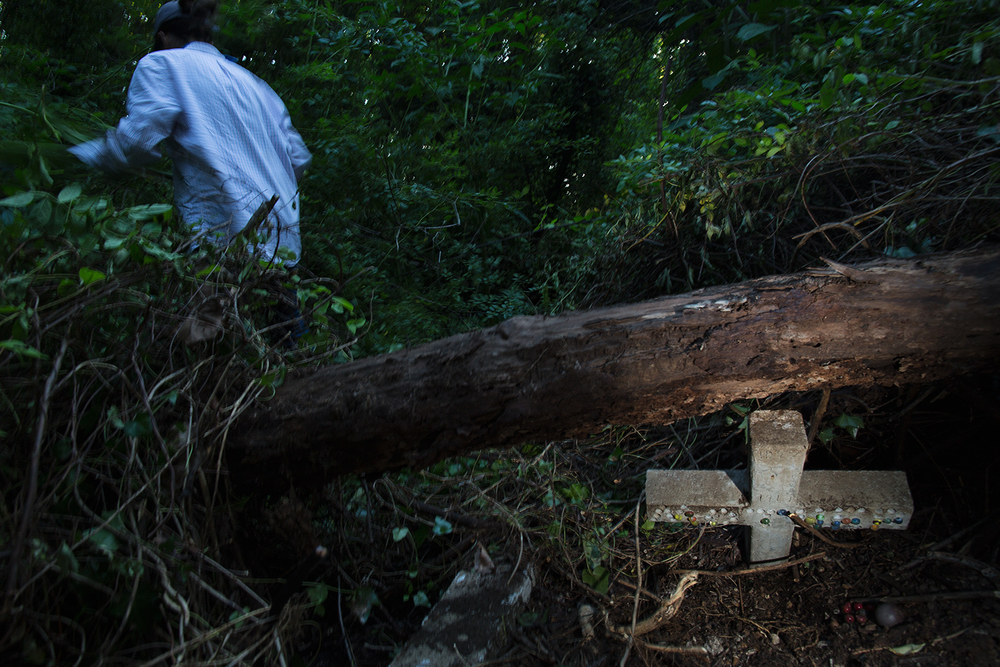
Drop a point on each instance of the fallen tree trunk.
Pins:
(546, 378)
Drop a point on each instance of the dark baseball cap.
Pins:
(170, 10)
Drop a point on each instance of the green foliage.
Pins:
(473, 161)
(849, 134)
(88, 37)
(595, 574)
(849, 423)
(456, 149)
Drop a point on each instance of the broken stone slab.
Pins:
(468, 625)
(775, 486)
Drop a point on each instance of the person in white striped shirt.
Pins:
(228, 134)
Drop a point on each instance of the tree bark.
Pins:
(545, 378)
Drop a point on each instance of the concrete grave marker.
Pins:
(775, 486)
(469, 623)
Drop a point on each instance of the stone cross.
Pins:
(775, 486)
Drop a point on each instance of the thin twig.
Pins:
(29, 501)
(340, 615)
(638, 583)
(111, 641)
(214, 632)
(820, 536)
(817, 417)
(757, 570)
(987, 571)
(649, 594)
(520, 553)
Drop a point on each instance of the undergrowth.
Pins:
(126, 357)
(874, 134)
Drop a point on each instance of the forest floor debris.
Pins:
(570, 508)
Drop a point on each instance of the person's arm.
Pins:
(298, 153)
(152, 112)
(301, 157)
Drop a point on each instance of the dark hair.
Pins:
(196, 22)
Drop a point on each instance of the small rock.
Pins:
(775, 639)
(888, 615)
(587, 614)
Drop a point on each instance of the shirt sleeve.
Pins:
(299, 154)
(152, 113)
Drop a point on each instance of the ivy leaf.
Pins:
(156, 251)
(21, 349)
(751, 30)
(65, 559)
(318, 593)
(147, 211)
(139, 427)
(598, 579)
(89, 276)
(339, 304)
(355, 324)
(364, 599)
(69, 193)
(850, 423)
(103, 539)
(236, 614)
(441, 527)
(18, 200)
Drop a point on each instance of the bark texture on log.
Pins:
(545, 378)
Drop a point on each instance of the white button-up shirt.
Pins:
(228, 134)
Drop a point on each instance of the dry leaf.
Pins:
(483, 561)
(205, 322)
(907, 649)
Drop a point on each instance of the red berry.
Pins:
(861, 619)
(848, 608)
(849, 618)
(857, 606)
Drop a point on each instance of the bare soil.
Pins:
(792, 616)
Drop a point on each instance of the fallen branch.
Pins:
(682, 650)
(666, 611)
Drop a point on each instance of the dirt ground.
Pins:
(794, 615)
(941, 572)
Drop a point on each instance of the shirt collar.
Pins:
(204, 47)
